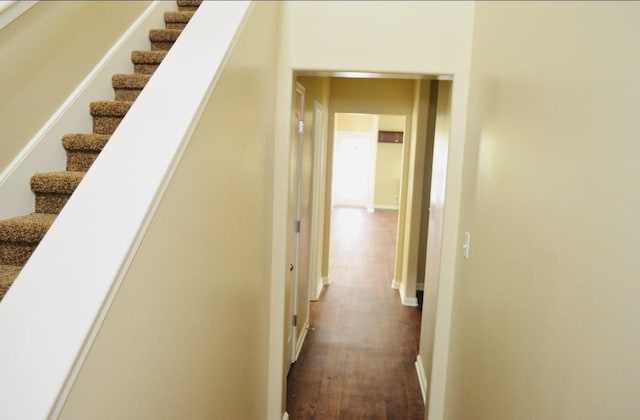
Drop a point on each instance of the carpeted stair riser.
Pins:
(188, 6)
(146, 62)
(7, 274)
(107, 115)
(163, 39)
(177, 20)
(53, 189)
(127, 87)
(83, 149)
(19, 236)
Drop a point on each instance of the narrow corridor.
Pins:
(358, 358)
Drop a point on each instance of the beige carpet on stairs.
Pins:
(19, 236)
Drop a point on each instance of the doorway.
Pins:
(410, 87)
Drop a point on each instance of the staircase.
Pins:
(19, 236)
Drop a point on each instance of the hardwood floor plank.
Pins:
(358, 358)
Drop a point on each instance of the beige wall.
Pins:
(353, 122)
(388, 172)
(545, 322)
(43, 60)
(187, 335)
(388, 163)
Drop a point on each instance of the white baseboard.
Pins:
(318, 289)
(420, 286)
(285, 416)
(303, 335)
(326, 280)
(421, 378)
(395, 284)
(407, 301)
(385, 207)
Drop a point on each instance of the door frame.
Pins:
(318, 199)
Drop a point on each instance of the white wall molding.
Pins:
(326, 280)
(318, 289)
(44, 152)
(386, 207)
(285, 416)
(11, 10)
(300, 341)
(407, 300)
(395, 284)
(422, 378)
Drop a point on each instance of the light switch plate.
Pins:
(466, 245)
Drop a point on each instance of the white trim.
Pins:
(301, 339)
(395, 284)
(422, 379)
(11, 10)
(386, 207)
(326, 281)
(406, 301)
(318, 289)
(319, 142)
(285, 416)
(44, 153)
(420, 286)
(409, 301)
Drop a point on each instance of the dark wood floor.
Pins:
(358, 358)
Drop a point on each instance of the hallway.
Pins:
(358, 358)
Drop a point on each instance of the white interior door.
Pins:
(293, 217)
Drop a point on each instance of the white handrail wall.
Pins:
(44, 152)
(52, 313)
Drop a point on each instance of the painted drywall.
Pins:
(388, 164)
(427, 38)
(187, 335)
(43, 61)
(388, 172)
(545, 321)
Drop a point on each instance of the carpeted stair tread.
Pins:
(56, 182)
(164, 35)
(148, 57)
(146, 62)
(85, 142)
(188, 5)
(27, 229)
(8, 274)
(129, 81)
(177, 17)
(109, 108)
(163, 39)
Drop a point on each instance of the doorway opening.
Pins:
(349, 159)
